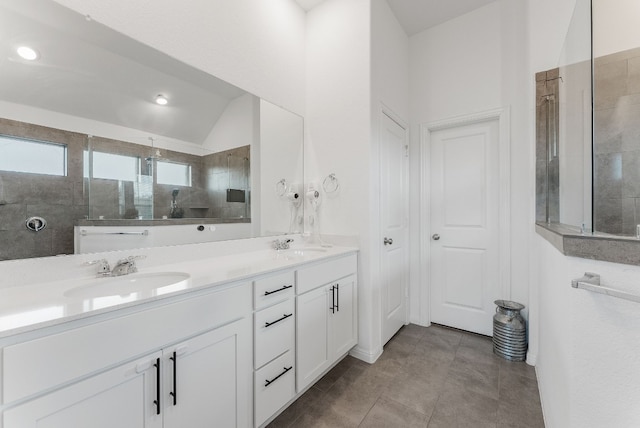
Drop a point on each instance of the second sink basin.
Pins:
(127, 284)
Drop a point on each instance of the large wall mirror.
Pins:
(102, 137)
(616, 103)
(588, 124)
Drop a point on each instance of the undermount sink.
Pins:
(127, 284)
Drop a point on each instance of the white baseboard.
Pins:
(365, 355)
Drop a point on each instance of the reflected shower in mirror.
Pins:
(616, 70)
(101, 131)
(563, 132)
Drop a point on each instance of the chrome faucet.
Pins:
(126, 266)
(123, 266)
(283, 244)
(103, 267)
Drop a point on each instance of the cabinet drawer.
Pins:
(43, 363)
(273, 289)
(314, 276)
(274, 387)
(274, 329)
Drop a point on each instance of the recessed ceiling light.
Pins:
(162, 100)
(27, 53)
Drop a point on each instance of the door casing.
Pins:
(504, 206)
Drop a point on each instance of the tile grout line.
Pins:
(441, 391)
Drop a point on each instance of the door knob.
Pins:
(387, 241)
(435, 237)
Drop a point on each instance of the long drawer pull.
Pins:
(284, 317)
(157, 400)
(333, 300)
(266, 293)
(269, 382)
(174, 393)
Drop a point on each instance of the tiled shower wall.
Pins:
(617, 142)
(63, 200)
(59, 200)
(547, 165)
(224, 170)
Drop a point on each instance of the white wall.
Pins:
(281, 157)
(615, 26)
(588, 363)
(235, 126)
(256, 45)
(471, 64)
(389, 92)
(337, 131)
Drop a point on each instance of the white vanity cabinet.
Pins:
(195, 369)
(326, 304)
(274, 344)
(120, 397)
(202, 379)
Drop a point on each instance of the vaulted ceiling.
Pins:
(418, 15)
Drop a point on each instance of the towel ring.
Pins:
(330, 183)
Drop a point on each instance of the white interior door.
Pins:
(464, 203)
(393, 211)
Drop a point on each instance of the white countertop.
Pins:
(41, 304)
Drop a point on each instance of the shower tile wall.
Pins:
(547, 170)
(59, 200)
(228, 169)
(617, 142)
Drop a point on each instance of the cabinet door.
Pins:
(343, 321)
(312, 344)
(208, 380)
(122, 397)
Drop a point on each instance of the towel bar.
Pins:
(85, 233)
(591, 282)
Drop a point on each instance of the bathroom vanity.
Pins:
(232, 343)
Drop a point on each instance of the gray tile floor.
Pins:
(426, 377)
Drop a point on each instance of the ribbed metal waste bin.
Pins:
(509, 331)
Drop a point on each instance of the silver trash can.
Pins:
(509, 331)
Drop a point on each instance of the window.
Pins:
(115, 167)
(35, 157)
(174, 173)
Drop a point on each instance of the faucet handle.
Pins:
(103, 266)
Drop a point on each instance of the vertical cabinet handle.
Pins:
(157, 400)
(174, 393)
(333, 300)
(338, 297)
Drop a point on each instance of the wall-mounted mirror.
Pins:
(564, 131)
(110, 141)
(616, 143)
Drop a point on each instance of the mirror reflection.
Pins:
(616, 71)
(563, 131)
(106, 143)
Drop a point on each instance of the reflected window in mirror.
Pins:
(34, 157)
(114, 167)
(178, 174)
